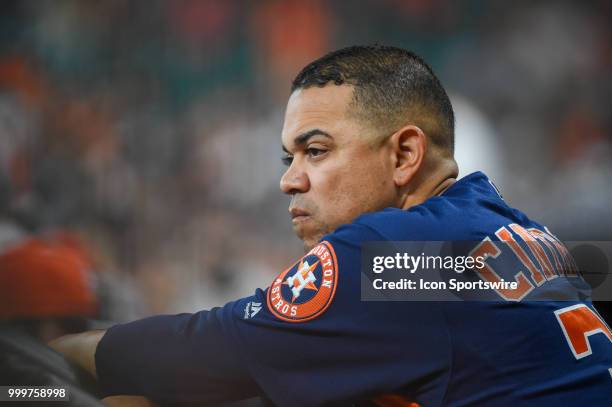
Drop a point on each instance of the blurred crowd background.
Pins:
(144, 136)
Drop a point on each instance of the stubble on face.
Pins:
(312, 229)
(355, 185)
(350, 180)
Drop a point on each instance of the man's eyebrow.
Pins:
(303, 138)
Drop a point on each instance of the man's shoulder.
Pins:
(469, 210)
(416, 224)
(466, 211)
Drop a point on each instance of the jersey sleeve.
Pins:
(173, 359)
(306, 340)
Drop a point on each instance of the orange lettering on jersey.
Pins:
(393, 400)
(578, 323)
(536, 250)
(487, 249)
(504, 235)
(538, 234)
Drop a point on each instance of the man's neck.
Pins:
(446, 184)
(432, 185)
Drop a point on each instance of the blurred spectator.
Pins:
(46, 288)
(46, 291)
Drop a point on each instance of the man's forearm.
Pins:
(80, 349)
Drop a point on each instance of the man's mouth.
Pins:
(298, 215)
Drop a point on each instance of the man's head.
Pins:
(45, 287)
(365, 128)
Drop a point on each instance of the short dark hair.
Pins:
(392, 87)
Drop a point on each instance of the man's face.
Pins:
(335, 173)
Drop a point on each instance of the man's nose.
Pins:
(294, 180)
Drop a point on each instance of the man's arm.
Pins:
(127, 401)
(80, 349)
(175, 359)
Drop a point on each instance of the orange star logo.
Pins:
(303, 271)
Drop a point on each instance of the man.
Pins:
(368, 140)
(44, 294)
(46, 287)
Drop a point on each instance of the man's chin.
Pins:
(310, 241)
(309, 236)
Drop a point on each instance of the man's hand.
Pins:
(79, 349)
(127, 401)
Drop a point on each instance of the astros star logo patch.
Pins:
(305, 290)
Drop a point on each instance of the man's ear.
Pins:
(408, 145)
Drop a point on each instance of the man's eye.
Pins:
(287, 159)
(315, 152)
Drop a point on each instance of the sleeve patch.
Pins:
(306, 289)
